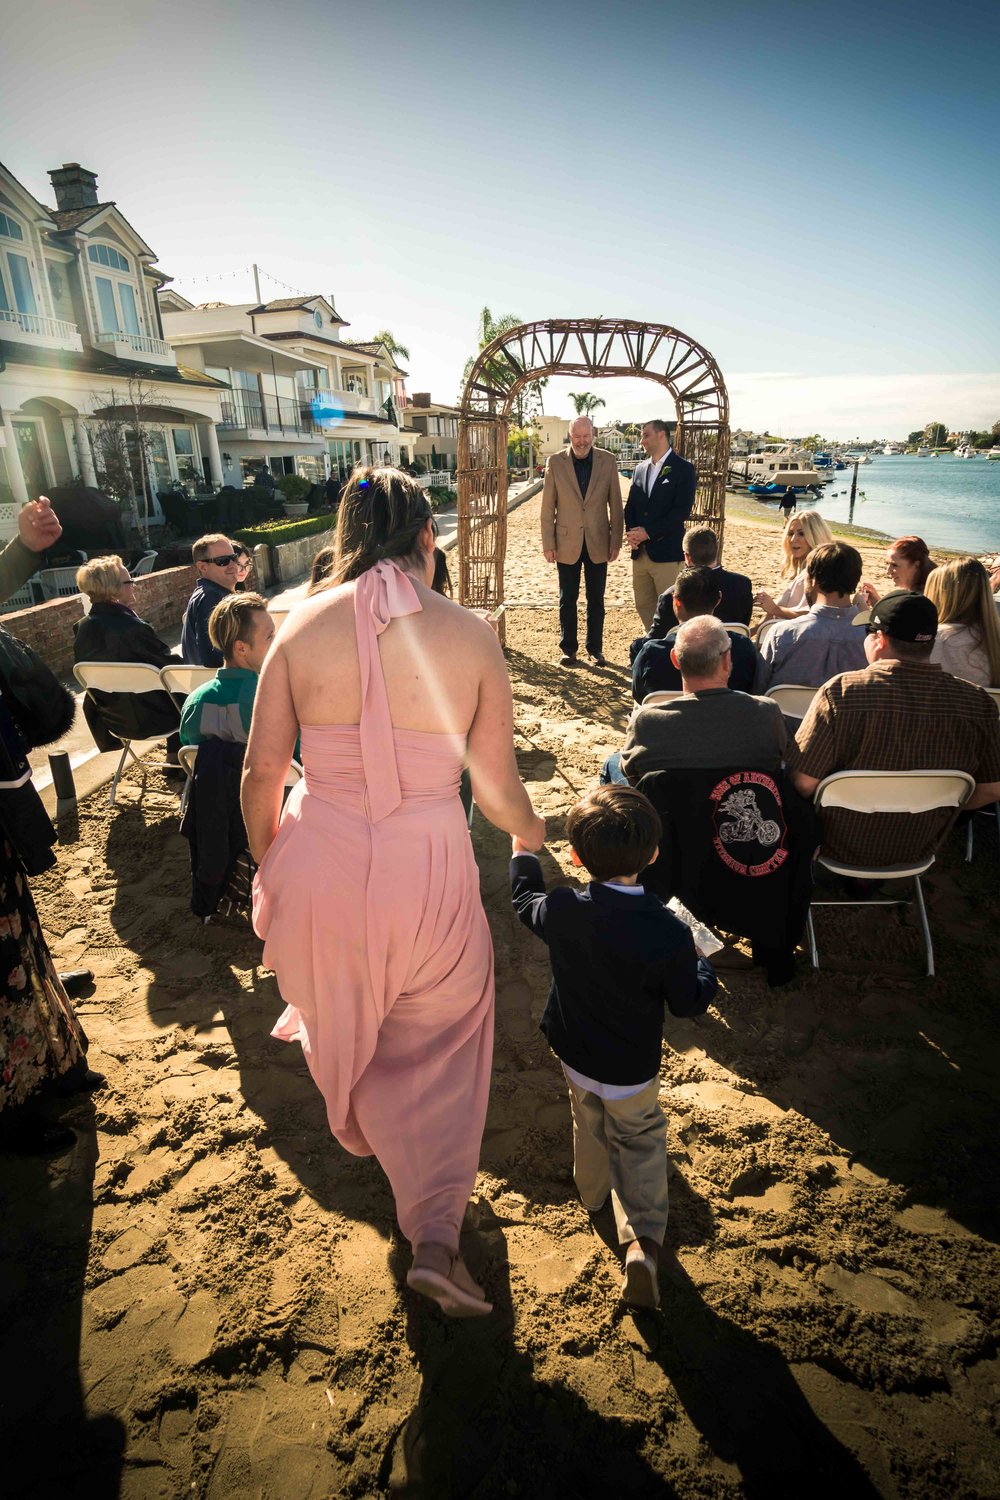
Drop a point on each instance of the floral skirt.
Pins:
(40, 1036)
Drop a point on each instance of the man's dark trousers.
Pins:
(595, 577)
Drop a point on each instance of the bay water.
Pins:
(950, 502)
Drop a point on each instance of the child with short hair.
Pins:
(617, 957)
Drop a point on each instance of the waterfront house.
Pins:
(79, 327)
(303, 400)
(436, 428)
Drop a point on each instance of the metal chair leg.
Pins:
(811, 930)
(118, 772)
(921, 908)
(968, 840)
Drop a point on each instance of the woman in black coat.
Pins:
(114, 632)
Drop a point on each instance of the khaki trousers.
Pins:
(649, 579)
(620, 1146)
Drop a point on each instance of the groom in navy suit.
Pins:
(656, 511)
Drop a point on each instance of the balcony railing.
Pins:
(139, 343)
(243, 411)
(52, 331)
(337, 401)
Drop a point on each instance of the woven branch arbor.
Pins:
(593, 348)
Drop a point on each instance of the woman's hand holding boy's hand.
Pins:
(533, 842)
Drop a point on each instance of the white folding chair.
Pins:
(121, 677)
(144, 565)
(875, 792)
(662, 695)
(985, 812)
(184, 679)
(793, 700)
(737, 628)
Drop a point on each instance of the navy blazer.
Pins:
(616, 960)
(665, 512)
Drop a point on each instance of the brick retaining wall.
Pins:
(48, 628)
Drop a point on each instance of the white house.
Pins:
(78, 318)
(301, 398)
(436, 426)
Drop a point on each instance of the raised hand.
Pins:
(38, 526)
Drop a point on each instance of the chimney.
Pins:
(74, 186)
(421, 398)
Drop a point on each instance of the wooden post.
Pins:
(854, 491)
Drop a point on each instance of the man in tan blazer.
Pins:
(582, 528)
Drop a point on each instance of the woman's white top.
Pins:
(958, 651)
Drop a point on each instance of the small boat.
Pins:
(965, 450)
(993, 453)
(775, 491)
(923, 453)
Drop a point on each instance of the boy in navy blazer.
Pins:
(658, 505)
(618, 956)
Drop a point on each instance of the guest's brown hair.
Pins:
(382, 513)
(322, 567)
(835, 567)
(913, 549)
(615, 830)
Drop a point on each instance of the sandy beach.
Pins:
(205, 1298)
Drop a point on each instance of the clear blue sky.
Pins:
(809, 189)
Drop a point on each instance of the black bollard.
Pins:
(62, 776)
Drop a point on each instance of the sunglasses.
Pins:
(224, 561)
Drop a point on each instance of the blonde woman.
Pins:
(802, 533)
(968, 638)
(114, 632)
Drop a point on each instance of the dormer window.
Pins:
(117, 308)
(318, 318)
(107, 255)
(17, 294)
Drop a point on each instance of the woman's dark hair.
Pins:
(322, 567)
(441, 583)
(615, 830)
(382, 513)
(913, 549)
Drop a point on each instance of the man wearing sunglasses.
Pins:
(217, 567)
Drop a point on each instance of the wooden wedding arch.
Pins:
(594, 348)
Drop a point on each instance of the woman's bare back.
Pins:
(434, 662)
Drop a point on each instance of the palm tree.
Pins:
(585, 402)
(397, 350)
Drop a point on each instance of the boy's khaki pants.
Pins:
(620, 1146)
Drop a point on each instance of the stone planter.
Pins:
(296, 512)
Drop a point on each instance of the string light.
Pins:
(242, 271)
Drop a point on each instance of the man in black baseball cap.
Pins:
(902, 616)
(900, 713)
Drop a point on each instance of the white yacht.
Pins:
(923, 453)
(857, 458)
(993, 453)
(966, 450)
(782, 465)
(893, 450)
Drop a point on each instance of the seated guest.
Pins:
(818, 645)
(217, 567)
(908, 563)
(701, 550)
(801, 534)
(968, 638)
(712, 725)
(244, 563)
(738, 843)
(241, 630)
(695, 592)
(902, 713)
(112, 631)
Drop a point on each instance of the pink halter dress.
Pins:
(368, 903)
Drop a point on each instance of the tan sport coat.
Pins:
(567, 518)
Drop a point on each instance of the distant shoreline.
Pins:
(747, 508)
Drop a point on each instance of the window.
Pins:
(318, 318)
(183, 446)
(16, 284)
(106, 305)
(10, 229)
(106, 255)
(281, 465)
(310, 468)
(130, 315)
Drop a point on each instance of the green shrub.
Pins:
(274, 533)
(295, 489)
(439, 496)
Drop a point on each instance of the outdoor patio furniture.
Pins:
(121, 677)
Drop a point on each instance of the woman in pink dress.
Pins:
(367, 895)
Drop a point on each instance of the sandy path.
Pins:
(228, 1316)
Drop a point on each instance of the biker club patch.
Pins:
(748, 819)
